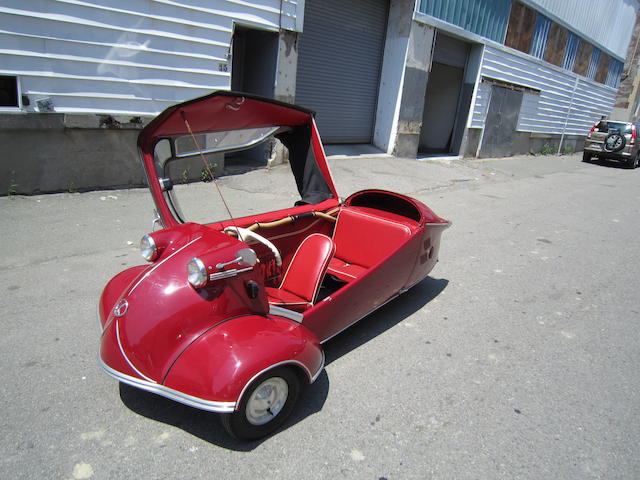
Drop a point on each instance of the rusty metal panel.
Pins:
(521, 25)
(583, 58)
(556, 44)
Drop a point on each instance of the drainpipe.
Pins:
(566, 120)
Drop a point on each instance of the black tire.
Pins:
(633, 162)
(614, 142)
(245, 425)
(586, 157)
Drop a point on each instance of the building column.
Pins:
(403, 82)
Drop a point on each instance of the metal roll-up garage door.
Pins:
(339, 60)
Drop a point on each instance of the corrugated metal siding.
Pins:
(126, 56)
(593, 65)
(487, 18)
(545, 112)
(607, 24)
(481, 105)
(540, 34)
(571, 51)
(613, 76)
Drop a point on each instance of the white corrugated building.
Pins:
(127, 57)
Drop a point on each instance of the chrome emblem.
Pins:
(121, 308)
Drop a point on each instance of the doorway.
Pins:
(254, 59)
(448, 96)
(501, 122)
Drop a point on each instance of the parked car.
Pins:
(613, 140)
(229, 316)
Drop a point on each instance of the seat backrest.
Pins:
(364, 239)
(308, 266)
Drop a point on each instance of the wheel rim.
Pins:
(267, 401)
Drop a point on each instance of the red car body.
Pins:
(206, 346)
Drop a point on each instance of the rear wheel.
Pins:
(265, 405)
(586, 156)
(633, 161)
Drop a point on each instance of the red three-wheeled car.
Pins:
(230, 316)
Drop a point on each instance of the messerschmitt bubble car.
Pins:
(230, 315)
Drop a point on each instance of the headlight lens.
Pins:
(197, 273)
(148, 248)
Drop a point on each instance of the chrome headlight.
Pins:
(148, 248)
(197, 273)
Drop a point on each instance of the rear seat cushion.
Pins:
(362, 240)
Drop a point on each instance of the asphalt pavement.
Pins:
(517, 358)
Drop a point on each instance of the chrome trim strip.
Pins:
(276, 365)
(228, 273)
(286, 313)
(439, 224)
(117, 327)
(160, 263)
(317, 374)
(99, 319)
(195, 402)
(246, 144)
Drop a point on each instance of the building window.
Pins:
(570, 53)
(556, 44)
(615, 70)
(540, 35)
(9, 94)
(521, 25)
(593, 64)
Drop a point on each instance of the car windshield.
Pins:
(621, 127)
(241, 161)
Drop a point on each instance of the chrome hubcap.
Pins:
(267, 400)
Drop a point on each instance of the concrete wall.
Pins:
(56, 152)
(392, 75)
(525, 143)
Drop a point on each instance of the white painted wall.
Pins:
(128, 56)
(556, 104)
(608, 24)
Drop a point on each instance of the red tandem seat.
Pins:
(362, 240)
(304, 275)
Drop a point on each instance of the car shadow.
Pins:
(207, 426)
(603, 162)
(384, 318)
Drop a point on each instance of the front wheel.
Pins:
(265, 405)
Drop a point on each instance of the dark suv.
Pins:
(613, 140)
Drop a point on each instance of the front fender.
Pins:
(222, 362)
